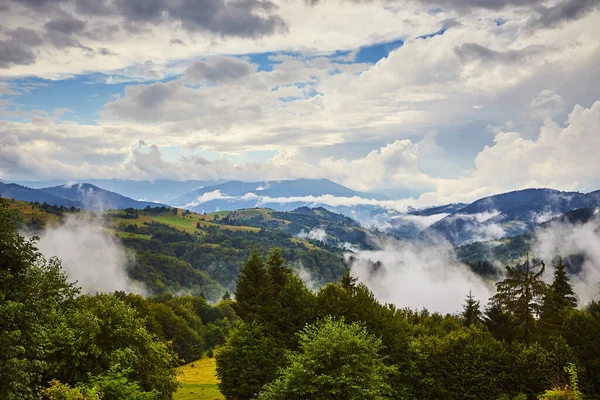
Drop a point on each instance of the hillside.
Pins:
(181, 250)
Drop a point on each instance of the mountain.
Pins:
(282, 195)
(509, 250)
(15, 191)
(160, 190)
(94, 198)
(509, 214)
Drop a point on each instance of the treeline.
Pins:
(529, 342)
(56, 343)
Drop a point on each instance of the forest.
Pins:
(274, 338)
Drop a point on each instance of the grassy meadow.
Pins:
(198, 381)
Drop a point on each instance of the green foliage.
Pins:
(249, 359)
(335, 361)
(520, 295)
(62, 391)
(558, 298)
(471, 312)
(32, 293)
(569, 392)
(48, 332)
(102, 331)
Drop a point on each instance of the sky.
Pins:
(436, 100)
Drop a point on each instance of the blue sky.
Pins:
(440, 102)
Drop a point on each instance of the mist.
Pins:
(563, 239)
(419, 274)
(89, 255)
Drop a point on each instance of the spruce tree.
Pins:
(521, 294)
(471, 311)
(561, 288)
(559, 297)
(251, 293)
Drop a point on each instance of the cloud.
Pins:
(419, 274)
(226, 18)
(206, 197)
(18, 48)
(66, 24)
(564, 239)
(89, 256)
(564, 11)
(219, 69)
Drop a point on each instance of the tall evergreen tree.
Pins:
(498, 321)
(251, 293)
(471, 311)
(561, 288)
(521, 294)
(560, 296)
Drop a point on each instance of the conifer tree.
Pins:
(252, 288)
(471, 311)
(521, 294)
(563, 292)
(560, 296)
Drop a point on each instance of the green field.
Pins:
(198, 381)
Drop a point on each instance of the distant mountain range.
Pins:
(503, 215)
(81, 195)
(159, 191)
(14, 191)
(509, 214)
(283, 195)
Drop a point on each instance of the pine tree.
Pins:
(471, 311)
(521, 294)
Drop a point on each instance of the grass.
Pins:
(24, 208)
(198, 392)
(198, 381)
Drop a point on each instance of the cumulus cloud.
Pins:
(89, 256)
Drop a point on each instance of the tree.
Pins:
(251, 292)
(498, 321)
(100, 332)
(32, 292)
(559, 297)
(471, 312)
(335, 361)
(248, 360)
(521, 294)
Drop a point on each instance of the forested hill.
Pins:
(179, 250)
